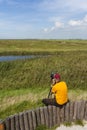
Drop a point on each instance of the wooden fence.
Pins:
(48, 116)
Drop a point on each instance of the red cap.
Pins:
(57, 76)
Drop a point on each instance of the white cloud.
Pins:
(81, 22)
(45, 29)
(77, 5)
(59, 24)
(69, 24)
(85, 18)
(75, 23)
(52, 28)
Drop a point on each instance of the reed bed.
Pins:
(23, 83)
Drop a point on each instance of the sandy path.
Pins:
(74, 127)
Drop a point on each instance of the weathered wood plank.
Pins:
(71, 111)
(21, 121)
(58, 116)
(86, 111)
(12, 118)
(54, 115)
(82, 109)
(67, 112)
(17, 126)
(34, 120)
(26, 125)
(78, 110)
(46, 117)
(30, 120)
(42, 116)
(7, 123)
(62, 114)
(75, 110)
(38, 119)
(50, 114)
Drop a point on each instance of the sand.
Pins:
(74, 127)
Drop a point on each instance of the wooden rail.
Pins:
(48, 116)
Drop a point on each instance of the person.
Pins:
(60, 91)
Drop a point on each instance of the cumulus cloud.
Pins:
(75, 23)
(77, 5)
(85, 18)
(81, 22)
(45, 29)
(71, 23)
(57, 25)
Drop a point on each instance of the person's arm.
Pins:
(53, 90)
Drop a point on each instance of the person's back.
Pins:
(60, 92)
(59, 89)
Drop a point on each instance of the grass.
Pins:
(24, 83)
(79, 122)
(36, 72)
(43, 127)
(9, 47)
(15, 101)
(68, 124)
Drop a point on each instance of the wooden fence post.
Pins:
(42, 117)
(71, 111)
(80, 110)
(54, 115)
(30, 120)
(7, 124)
(26, 125)
(75, 110)
(46, 116)
(38, 119)
(17, 126)
(12, 118)
(50, 115)
(67, 112)
(58, 115)
(34, 120)
(62, 114)
(21, 121)
(86, 111)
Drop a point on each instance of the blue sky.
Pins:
(43, 19)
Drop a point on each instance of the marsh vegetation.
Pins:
(23, 83)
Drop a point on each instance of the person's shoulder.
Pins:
(62, 82)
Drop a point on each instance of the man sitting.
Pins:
(59, 89)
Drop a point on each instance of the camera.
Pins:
(52, 76)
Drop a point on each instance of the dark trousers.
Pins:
(52, 101)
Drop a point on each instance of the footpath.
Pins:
(73, 127)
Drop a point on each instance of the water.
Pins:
(10, 58)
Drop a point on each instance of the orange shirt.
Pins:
(60, 91)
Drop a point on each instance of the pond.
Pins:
(10, 58)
